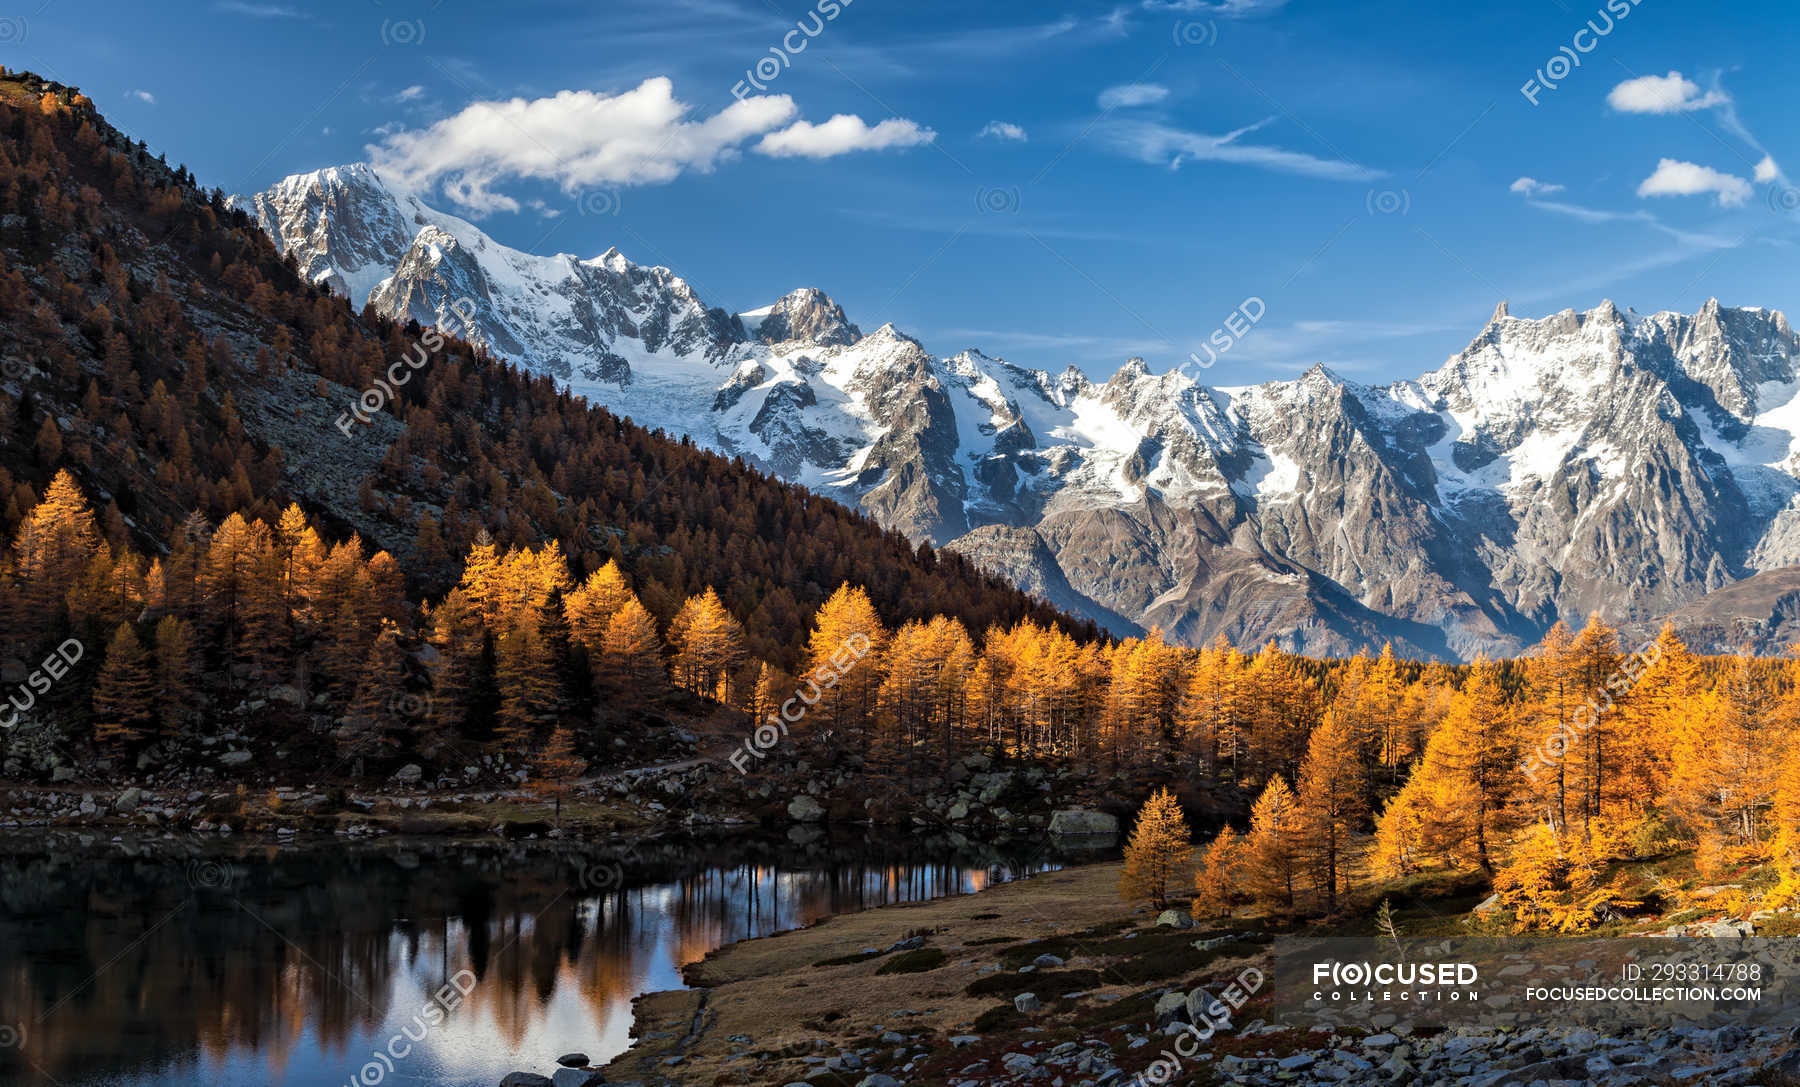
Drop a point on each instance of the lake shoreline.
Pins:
(557, 932)
(980, 796)
(1053, 978)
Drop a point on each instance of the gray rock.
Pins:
(576, 1077)
(1027, 1003)
(1203, 1007)
(235, 758)
(573, 1060)
(804, 809)
(879, 1079)
(1046, 961)
(287, 694)
(1172, 1008)
(1080, 822)
(526, 1079)
(409, 774)
(127, 802)
(1212, 943)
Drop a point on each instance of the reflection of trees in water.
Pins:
(122, 964)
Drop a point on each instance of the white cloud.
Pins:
(1003, 130)
(410, 93)
(841, 135)
(1676, 178)
(142, 96)
(1674, 93)
(643, 136)
(1126, 95)
(1663, 94)
(1531, 186)
(1164, 145)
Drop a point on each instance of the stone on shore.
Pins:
(1080, 822)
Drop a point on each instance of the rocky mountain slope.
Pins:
(1600, 461)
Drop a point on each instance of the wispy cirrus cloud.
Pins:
(1129, 95)
(1162, 144)
(1535, 191)
(1229, 9)
(259, 11)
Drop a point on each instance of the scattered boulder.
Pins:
(1174, 919)
(127, 802)
(409, 774)
(1172, 1008)
(1203, 1007)
(1026, 1003)
(1214, 942)
(573, 1060)
(526, 1079)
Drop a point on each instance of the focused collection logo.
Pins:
(1387, 982)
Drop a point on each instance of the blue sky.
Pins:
(1054, 183)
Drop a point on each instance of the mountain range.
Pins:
(1601, 461)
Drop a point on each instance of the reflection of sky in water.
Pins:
(607, 949)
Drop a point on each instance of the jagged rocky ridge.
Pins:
(1600, 461)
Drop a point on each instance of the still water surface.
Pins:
(159, 963)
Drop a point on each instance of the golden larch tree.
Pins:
(1219, 880)
(1159, 854)
(123, 693)
(1272, 851)
(1333, 800)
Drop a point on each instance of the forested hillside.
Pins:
(158, 350)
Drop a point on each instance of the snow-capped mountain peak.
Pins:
(1598, 460)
